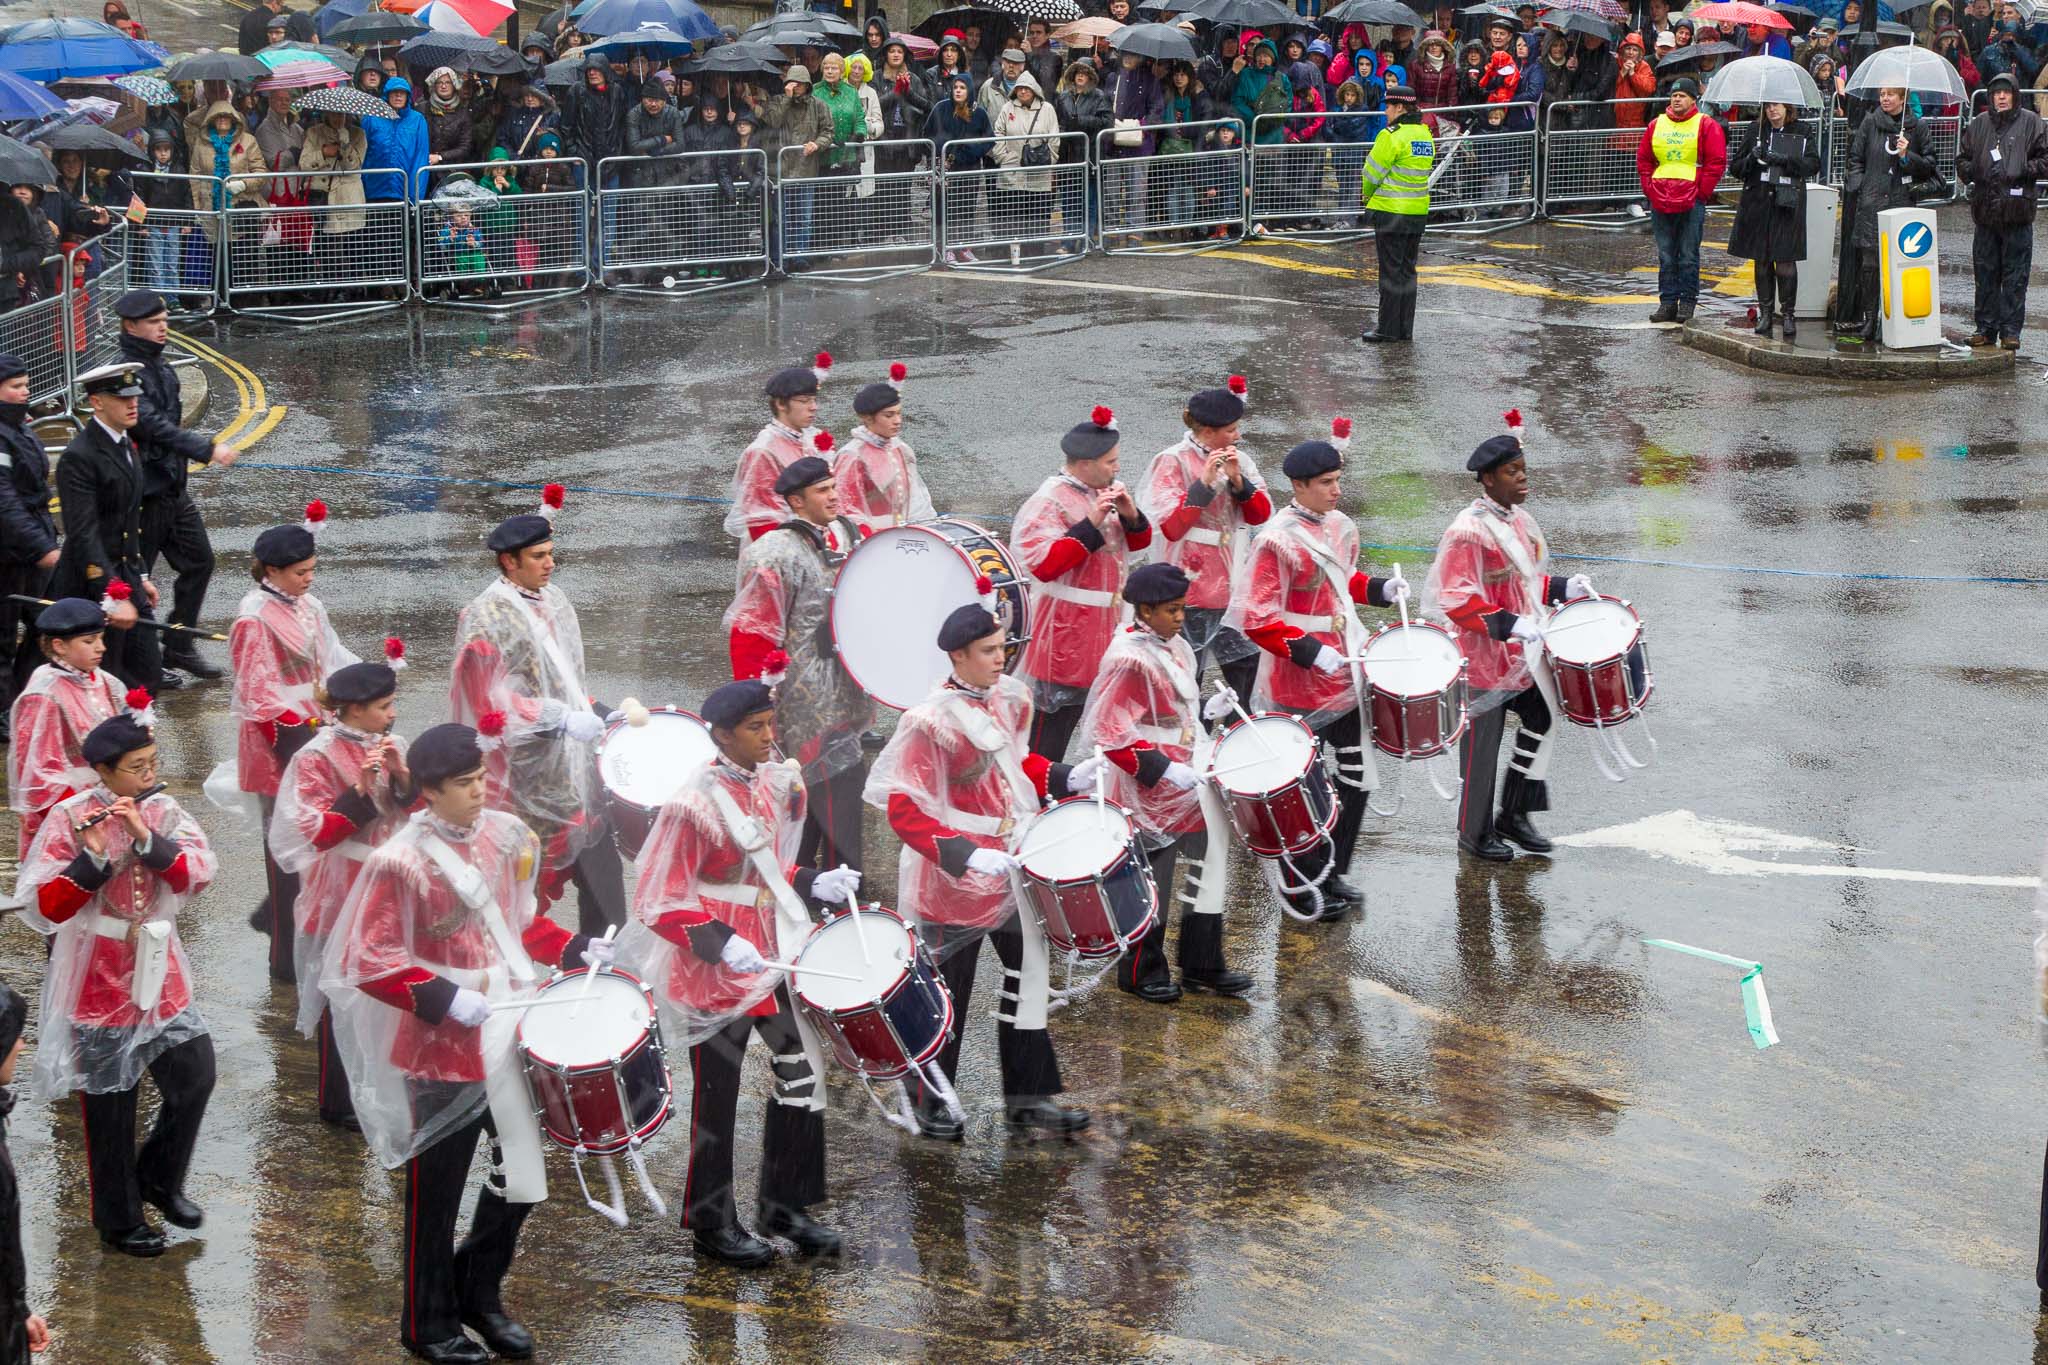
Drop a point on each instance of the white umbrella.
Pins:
(1754, 81)
(1918, 70)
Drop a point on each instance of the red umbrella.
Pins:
(921, 49)
(1742, 13)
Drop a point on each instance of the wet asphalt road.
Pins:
(1483, 1122)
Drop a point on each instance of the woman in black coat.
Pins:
(1887, 153)
(1770, 218)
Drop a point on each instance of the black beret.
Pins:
(1151, 584)
(1088, 442)
(1311, 459)
(112, 738)
(360, 683)
(514, 534)
(801, 474)
(443, 752)
(735, 701)
(137, 304)
(966, 625)
(69, 616)
(13, 1016)
(1492, 451)
(12, 366)
(1215, 407)
(875, 397)
(794, 382)
(282, 545)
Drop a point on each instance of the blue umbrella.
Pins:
(649, 40)
(602, 17)
(334, 11)
(51, 49)
(23, 99)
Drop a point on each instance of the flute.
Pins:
(105, 811)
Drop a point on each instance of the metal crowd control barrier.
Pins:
(1485, 176)
(177, 246)
(95, 329)
(682, 224)
(1945, 139)
(1589, 173)
(36, 333)
(1193, 193)
(477, 248)
(292, 258)
(1020, 203)
(851, 223)
(1835, 152)
(1305, 188)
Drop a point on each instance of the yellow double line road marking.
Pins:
(254, 401)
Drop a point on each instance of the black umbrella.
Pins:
(21, 164)
(462, 52)
(830, 26)
(1693, 52)
(960, 16)
(743, 58)
(1155, 40)
(97, 145)
(1485, 13)
(378, 26)
(1577, 21)
(217, 66)
(1260, 14)
(1376, 12)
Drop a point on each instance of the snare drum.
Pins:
(642, 766)
(1596, 652)
(898, 587)
(1086, 878)
(895, 1016)
(1270, 771)
(1415, 678)
(596, 1068)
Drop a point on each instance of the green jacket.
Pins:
(849, 120)
(1396, 175)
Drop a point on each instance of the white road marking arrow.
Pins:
(1720, 846)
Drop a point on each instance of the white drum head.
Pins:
(1264, 755)
(1411, 661)
(1074, 840)
(892, 594)
(835, 947)
(647, 764)
(1591, 629)
(612, 1018)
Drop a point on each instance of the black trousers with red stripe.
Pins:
(832, 816)
(283, 900)
(335, 1101)
(116, 1172)
(1342, 733)
(792, 1134)
(1052, 731)
(1479, 761)
(442, 1281)
(1031, 1069)
(1201, 936)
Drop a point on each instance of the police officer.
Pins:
(1395, 188)
(171, 525)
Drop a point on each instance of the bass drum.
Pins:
(898, 587)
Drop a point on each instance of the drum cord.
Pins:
(1303, 886)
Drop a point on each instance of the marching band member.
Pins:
(1074, 549)
(876, 469)
(519, 659)
(789, 436)
(340, 797)
(1143, 713)
(63, 701)
(108, 874)
(282, 646)
(441, 928)
(1490, 580)
(1202, 493)
(959, 783)
(719, 895)
(1294, 600)
(780, 623)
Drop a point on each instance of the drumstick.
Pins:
(538, 1000)
(1101, 789)
(859, 931)
(1243, 715)
(1402, 601)
(590, 975)
(814, 971)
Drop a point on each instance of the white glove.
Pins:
(1329, 660)
(1525, 630)
(583, 726)
(601, 952)
(469, 1008)
(1220, 705)
(835, 884)
(742, 956)
(1180, 775)
(991, 862)
(1578, 585)
(1081, 779)
(1397, 587)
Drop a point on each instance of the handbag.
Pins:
(1035, 154)
(1128, 131)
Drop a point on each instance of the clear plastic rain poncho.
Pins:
(784, 594)
(1474, 574)
(521, 656)
(1147, 692)
(1206, 552)
(959, 758)
(413, 1082)
(314, 780)
(50, 720)
(94, 1035)
(1073, 616)
(693, 869)
(756, 507)
(879, 484)
(1298, 572)
(282, 647)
